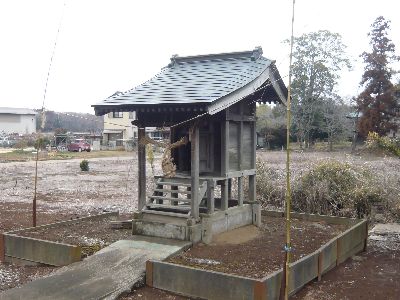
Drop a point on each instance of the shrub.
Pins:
(84, 165)
(336, 188)
(267, 189)
(330, 187)
(376, 142)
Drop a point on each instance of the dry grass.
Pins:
(378, 174)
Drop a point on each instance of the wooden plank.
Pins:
(210, 197)
(239, 118)
(195, 159)
(166, 213)
(234, 174)
(185, 208)
(229, 188)
(224, 147)
(254, 144)
(224, 195)
(149, 273)
(174, 190)
(169, 198)
(240, 137)
(240, 191)
(142, 170)
(171, 183)
(252, 188)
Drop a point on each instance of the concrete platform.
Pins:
(104, 275)
(187, 229)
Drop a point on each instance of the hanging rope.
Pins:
(167, 163)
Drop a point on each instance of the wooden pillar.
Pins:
(224, 148)
(240, 190)
(229, 188)
(252, 178)
(224, 195)
(142, 170)
(210, 197)
(195, 159)
(252, 188)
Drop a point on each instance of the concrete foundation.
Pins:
(187, 229)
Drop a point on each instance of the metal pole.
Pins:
(288, 189)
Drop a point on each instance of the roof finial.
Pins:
(257, 52)
(173, 60)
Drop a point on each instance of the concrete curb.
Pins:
(14, 247)
(206, 284)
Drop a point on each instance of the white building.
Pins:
(17, 120)
(118, 128)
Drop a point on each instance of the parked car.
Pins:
(79, 145)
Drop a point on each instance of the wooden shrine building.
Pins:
(209, 102)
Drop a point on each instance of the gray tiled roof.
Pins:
(199, 79)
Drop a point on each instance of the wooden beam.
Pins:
(224, 148)
(252, 188)
(195, 159)
(230, 188)
(210, 196)
(254, 145)
(240, 191)
(252, 178)
(142, 170)
(224, 195)
(238, 118)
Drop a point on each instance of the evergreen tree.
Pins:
(377, 102)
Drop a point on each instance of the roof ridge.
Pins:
(253, 54)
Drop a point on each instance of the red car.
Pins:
(79, 145)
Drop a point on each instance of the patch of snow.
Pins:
(203, 261)
(8, 276)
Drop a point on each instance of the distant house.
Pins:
(17, 120)
(118, 128)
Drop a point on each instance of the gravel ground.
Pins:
(111, 184)
(64, 192)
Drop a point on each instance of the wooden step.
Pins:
(169, 198)
(166, 213)
(166, 207)
(173, 183)
(172, 191)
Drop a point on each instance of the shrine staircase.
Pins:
(172, 197)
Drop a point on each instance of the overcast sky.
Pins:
(108, 46)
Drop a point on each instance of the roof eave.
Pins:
(249, 89)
